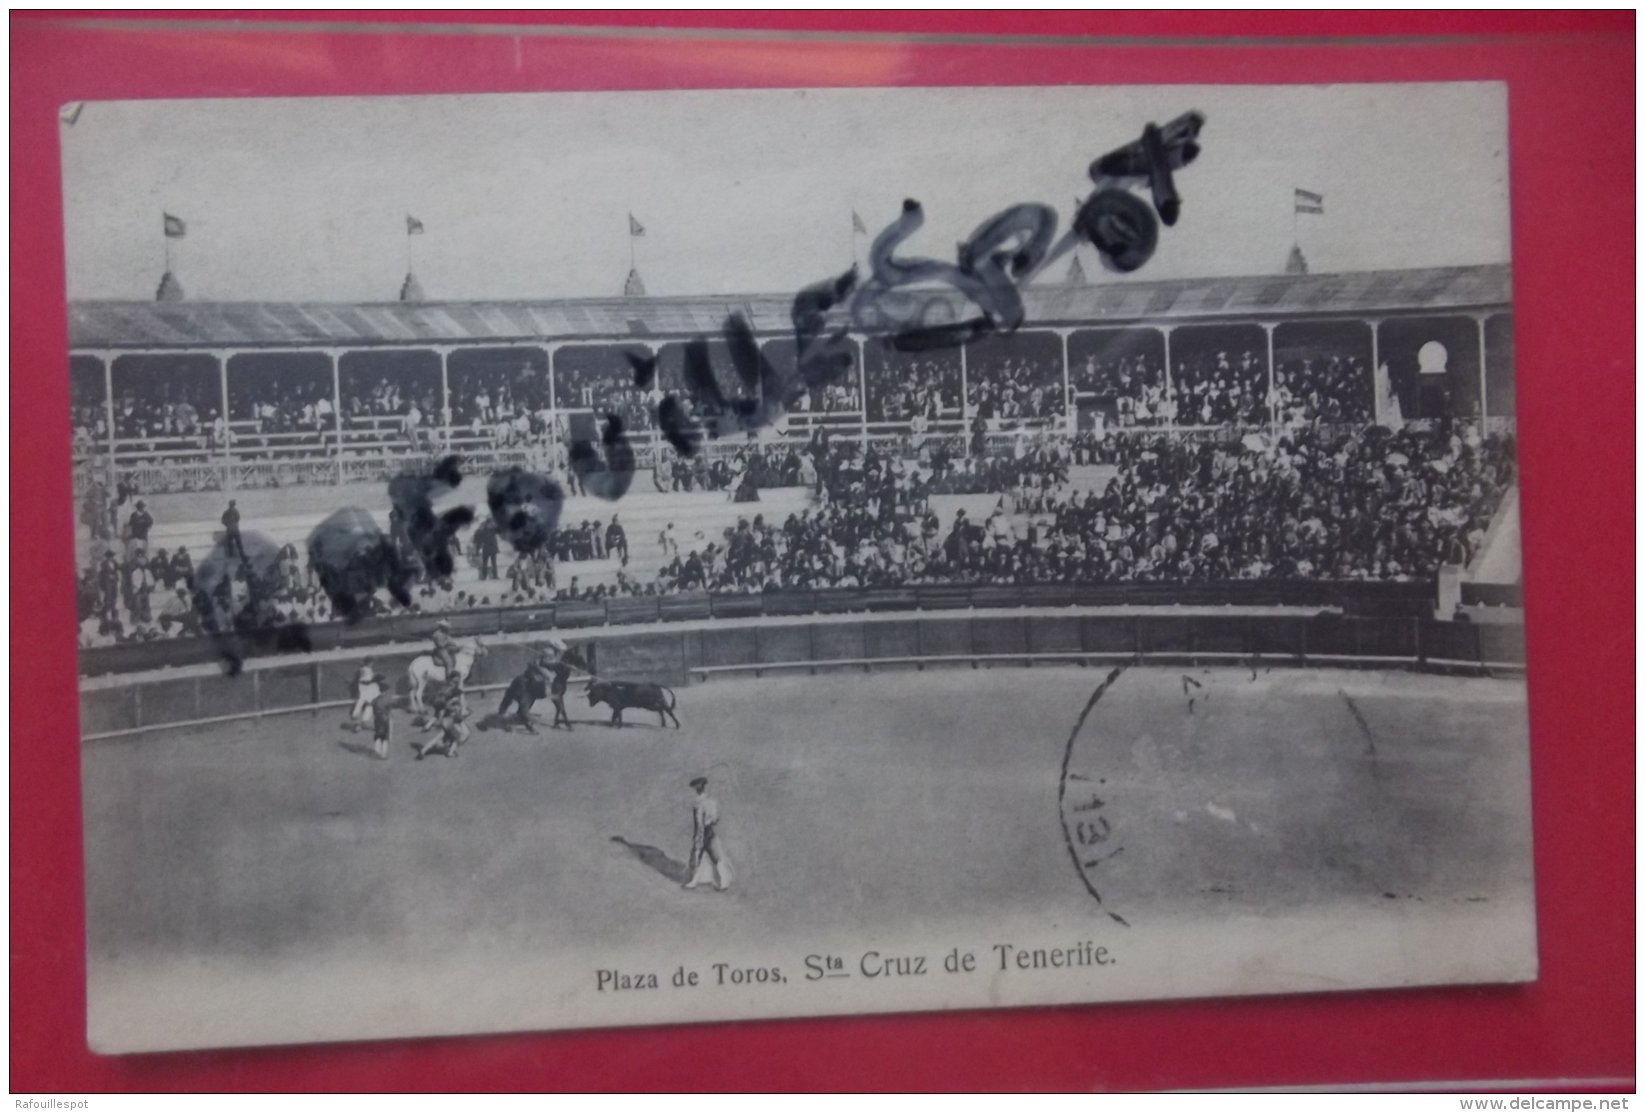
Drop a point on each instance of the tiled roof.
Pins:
(150, 325)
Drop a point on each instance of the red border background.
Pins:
(1571, 83)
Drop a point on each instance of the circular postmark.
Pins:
(1087, 830)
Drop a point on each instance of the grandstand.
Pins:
(1197, 484)
(1182, 386)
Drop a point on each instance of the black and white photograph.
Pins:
(576, 560)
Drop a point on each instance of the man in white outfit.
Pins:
(708, 861)
(367, 687)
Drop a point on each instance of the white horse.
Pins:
(424, 671)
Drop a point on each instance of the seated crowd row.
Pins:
(1303, 504)
(297, 414)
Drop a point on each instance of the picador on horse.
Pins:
(547, 675)
(446, 666)
(441, 693)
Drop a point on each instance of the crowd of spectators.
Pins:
(274, 404)
(1221, 389)
(1311, 490)
(287, 416)
(1311, 502)
(1130, 391)
(168, 415)
(838, 397)
(1014, 390)
(88, 414)
(738, 472)
(904, 387)
(494, 407)
(132, 593)
(872, 525)
(492, 395)
(607, 390)
(1333, 389)
(1030, 465)
(1373, 505)
(403, 412)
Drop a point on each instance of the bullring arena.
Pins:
(1331, 770)
(268, 859)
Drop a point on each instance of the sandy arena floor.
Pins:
(854, 806)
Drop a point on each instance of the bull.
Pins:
(622, 694)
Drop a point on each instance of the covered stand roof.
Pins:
(172, 325)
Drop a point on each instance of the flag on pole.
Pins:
(635, 228)
(173, 226)
(414, 227)
(856, 223)
(1310, 202)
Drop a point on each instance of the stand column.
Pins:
(108, 408)
(862, 385)
(1377, 410)
(1070, 411)
(1480, 321)
(553, 403)
(445, 399)
(228, 437)
(1170, 381)
(1273, 418)
(335, 355)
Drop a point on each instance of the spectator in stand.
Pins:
(94, 513)
(137, 532)
(616, 540)
(484, 549)
(231, 531)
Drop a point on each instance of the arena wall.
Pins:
(680, 657)
(1402, 599)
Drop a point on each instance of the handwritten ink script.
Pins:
(903, 299)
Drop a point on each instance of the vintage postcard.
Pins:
(570, 560)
